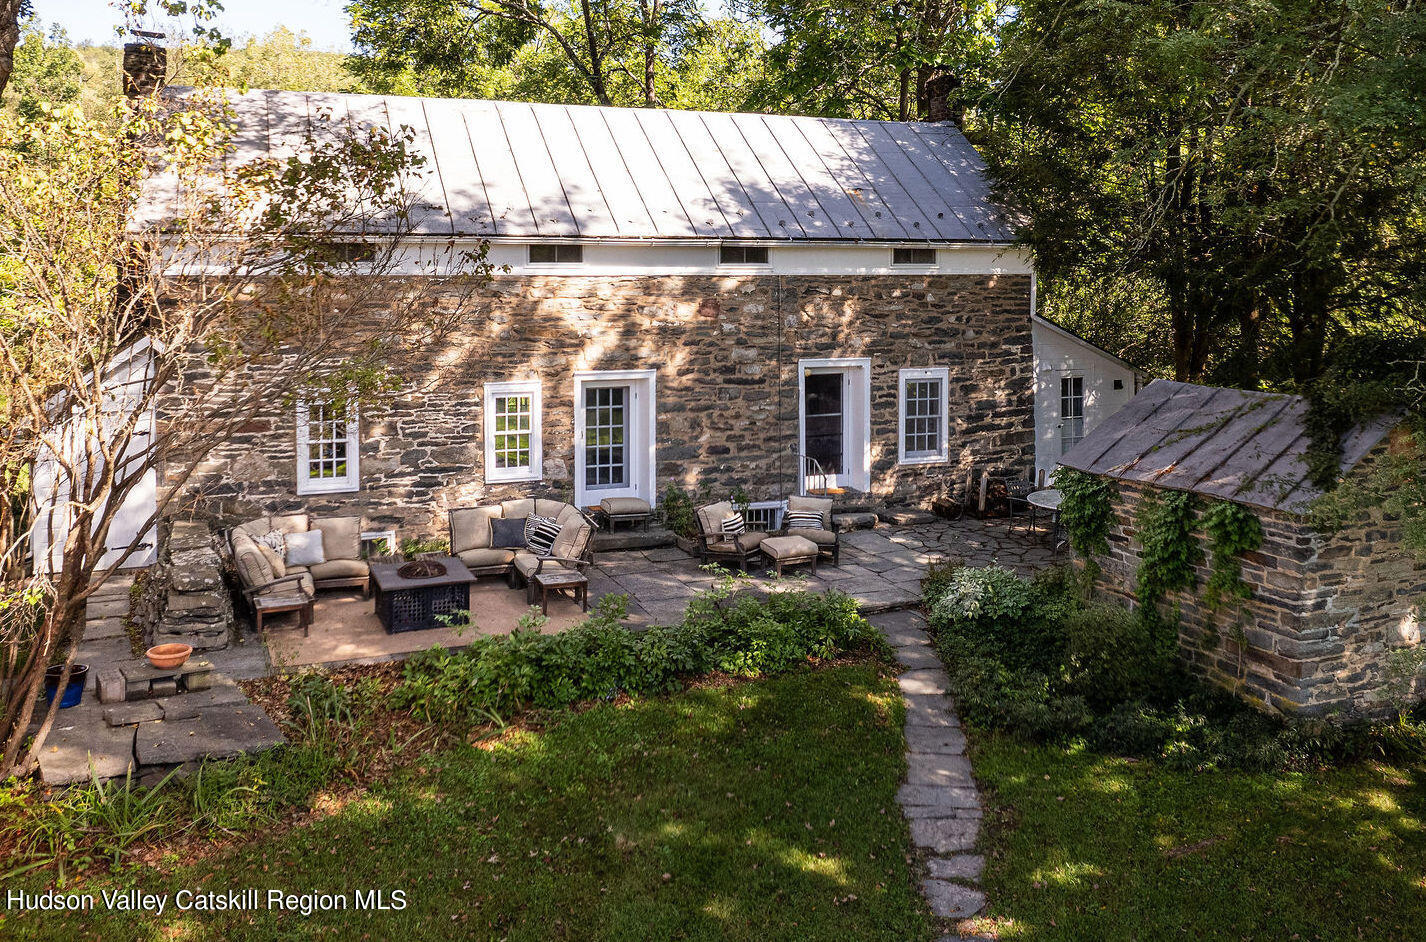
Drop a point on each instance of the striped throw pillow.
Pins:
(802, 520)
(540, 534)
(733, 524)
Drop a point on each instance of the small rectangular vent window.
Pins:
(742, 255)
(913, 256)
(556, 254)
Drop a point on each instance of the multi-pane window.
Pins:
(917, 256)
(558, 253)
(924, 422)
(1071, 412)
(606, 436)
(327, 448)
(742, 255)
(512, 431)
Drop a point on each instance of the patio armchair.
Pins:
(714, 545)
(1017, 496)
(825, 533)
(258, 577)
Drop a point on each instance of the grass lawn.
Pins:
(1086, 847)
(755, 811)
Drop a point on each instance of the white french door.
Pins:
(614, 435)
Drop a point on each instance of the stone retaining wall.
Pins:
(196, 608)
(1326, 610)
(726, 352)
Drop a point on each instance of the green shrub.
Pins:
(1114, 656)
(994, 611)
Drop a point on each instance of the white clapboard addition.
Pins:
(124, 385)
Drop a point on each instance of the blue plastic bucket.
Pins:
(73, 691)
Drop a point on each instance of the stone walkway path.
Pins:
(939, 797)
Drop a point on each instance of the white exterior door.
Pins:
(614, 450)
(834, 422)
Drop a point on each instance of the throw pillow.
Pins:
(540, 534)
(733, 524)
(274, 560)
(305, 549)
(274, 540)
(507, 534)
(802, 520)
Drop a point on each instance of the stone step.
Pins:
(855, 520)
(107, 607)
(907, 516)
(216, 733)
(630, 539)
(111, 627)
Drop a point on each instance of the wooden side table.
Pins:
(558, 579)
(278, 604)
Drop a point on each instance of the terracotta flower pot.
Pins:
(165, 656)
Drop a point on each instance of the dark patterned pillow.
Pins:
(733, 524)
(802, 520)
(540, 534)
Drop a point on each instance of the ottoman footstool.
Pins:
(790, 551)
(625, 510)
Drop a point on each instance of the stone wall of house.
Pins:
(1325, 613)
(726, 352)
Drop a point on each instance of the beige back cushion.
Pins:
(519, 507)
(252, 528)
(572, 540)
(253, 568)
(819, 505)
(711, 517)
(341, 536)
(470, 527)
(566, 514)
(288, 523)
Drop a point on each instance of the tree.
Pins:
(131, 251)
(46, 71)
(12, 14)
(281, 59)
(1257, 167)
(605, 51)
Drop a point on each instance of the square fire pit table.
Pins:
(417, 604)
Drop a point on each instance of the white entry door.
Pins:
(614, 435)
(834, 410)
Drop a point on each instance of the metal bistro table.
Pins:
(417, 604)
(1048, 500)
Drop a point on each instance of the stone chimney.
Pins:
(145, 65)
(942, 97)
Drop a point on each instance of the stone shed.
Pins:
(1327, 609)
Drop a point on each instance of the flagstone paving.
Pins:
(939, 798)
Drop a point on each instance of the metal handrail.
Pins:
(812, 470)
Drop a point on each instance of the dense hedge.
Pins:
(1033, 658)
(723, 630)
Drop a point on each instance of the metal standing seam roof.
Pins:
(1247, 447)
(520, 170)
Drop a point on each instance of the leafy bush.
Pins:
(1032, 659)
(600, 659)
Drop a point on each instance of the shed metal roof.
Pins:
(1248, 447)
(541, 171)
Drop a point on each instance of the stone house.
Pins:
(1326, 610)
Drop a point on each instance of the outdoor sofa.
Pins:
(473, 538)
(263, 571)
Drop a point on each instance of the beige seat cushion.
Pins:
(711, 516)
(340, 569)
(617, 506)
(573, 539)
(341, 537)
(527, 563)
(288, 523)
(820, 537)
(788, 547)
(519, 507)
(253, 567)
(486, 556)
(750, 541)
(470, 527)
(819, 505)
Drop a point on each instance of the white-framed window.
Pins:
(734, 254)
(328, 448)
(914, 256)
(1071, 412)
(514, 447)
(923, 426)
(557, 253)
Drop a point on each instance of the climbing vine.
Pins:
(1232, 531)
(1085, 511)
(1170, 552)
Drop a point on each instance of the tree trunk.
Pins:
(9, 38)
(596, 56)
(904, 106)
(651, 19)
